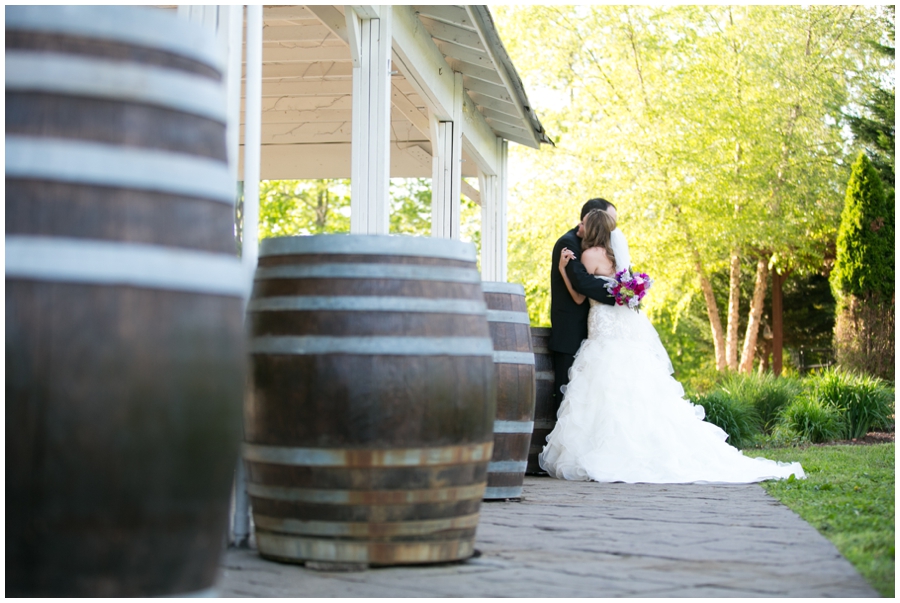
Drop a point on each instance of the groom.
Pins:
(568, 320)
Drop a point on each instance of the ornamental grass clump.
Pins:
(737, 418)
(812, 420)
(767, 394)
(864, 402)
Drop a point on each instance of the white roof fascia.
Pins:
(479, 139)
(422, 63)
(481, 19)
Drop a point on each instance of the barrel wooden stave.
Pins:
(515, 390)
(57, 209)
(315, 400)
(368, 478)
(122, 394)
(106, 49)
(544, 415)
(114, 122)
(363, 408)
(123, 401)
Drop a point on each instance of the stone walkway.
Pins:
(583, 539)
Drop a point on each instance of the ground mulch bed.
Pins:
(873, 437)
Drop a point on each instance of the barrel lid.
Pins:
(397, 245)
(500, 287)
(142, 26)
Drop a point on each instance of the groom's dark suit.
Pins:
(568, 320)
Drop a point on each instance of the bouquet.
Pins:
(629, 289)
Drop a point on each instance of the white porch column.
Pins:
(234, 35)
(493, 220)
(369, 33)
(250, 243)
(252, 132)
(446, 178)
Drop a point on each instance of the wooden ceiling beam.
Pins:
(453, 34)
(288, 13)
(283, 54)
(487, 89)
(297, 33)
(447, 14)
(308, 88)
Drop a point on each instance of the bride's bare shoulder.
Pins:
(594, 252)
(596, 261)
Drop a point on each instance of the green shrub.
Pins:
(864, 402)
(738, 419)
(864, 260)
(766, 393)
(812, 420)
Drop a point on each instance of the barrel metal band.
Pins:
(545, 424)
(370, 271)
(541, 349)
(366, 497)
(508, 316)
(287, 525)
(500, 492)
(365, 303)
(103, 78)
(391, 245)
(148, 27)
(507, 467)
(498, 287)
(122, 263)
(343, 457)
(388, 346)
(329, 549)
(504, 357)
(100, 164)
(513, 426)
(544, 376)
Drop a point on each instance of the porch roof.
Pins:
(307, 86)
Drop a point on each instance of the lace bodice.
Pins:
(610, 323)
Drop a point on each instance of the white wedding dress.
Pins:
(624, 418)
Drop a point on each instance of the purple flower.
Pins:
(629, 290)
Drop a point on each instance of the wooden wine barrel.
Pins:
(514, 363)
(544, 414)
(370, 428)
(124, 332)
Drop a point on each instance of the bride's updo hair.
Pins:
(597, 226)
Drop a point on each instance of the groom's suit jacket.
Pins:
(568, 320)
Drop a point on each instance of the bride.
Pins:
(623, 417)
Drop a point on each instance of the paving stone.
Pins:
(583, 539)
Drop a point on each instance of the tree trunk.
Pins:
(712, 311)
(734, 298)
(777, 328)
(756, 308)
(321, 209)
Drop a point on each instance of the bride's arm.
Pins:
(587, 284)
(564, 258)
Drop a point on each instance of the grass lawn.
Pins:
(849, 497)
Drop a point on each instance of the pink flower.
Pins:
(629, 289)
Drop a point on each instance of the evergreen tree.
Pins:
(874, 129)
(863, 276)
(865, 242)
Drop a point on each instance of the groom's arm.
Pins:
(587, 284)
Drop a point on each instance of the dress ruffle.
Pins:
(624, 417)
